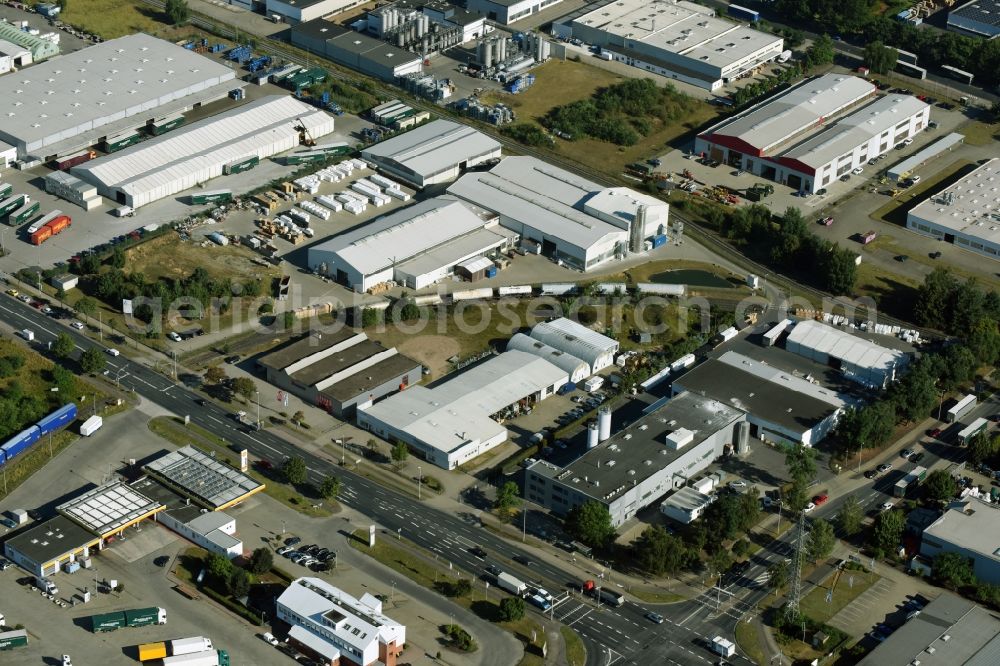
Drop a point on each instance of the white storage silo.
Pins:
(604, 422)
(592, 435)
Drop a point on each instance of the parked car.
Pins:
(887, 506)
(820, 500)
(269, 638)
(917, 457)
(293, 541)
(871, 474)
(906, 453)
(809, 508)
(858, 171)
(934, 432)
(77, 325)
(883, 468)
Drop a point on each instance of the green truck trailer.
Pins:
(5, 190)
(158, 127)
(13, 639)
(10, 204)
(115, 143)
(136, 617)
(23, 214)
(214, 196)
(241, 165)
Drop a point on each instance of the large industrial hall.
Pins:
(69, 103)
(453, 422)
(572, 220)
(677, 39)
(811, 135)
(415, 246)
(197, 153)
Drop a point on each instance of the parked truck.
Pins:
(13, 639)
(609, 597)
(46, 585)
(50, 229)
(961, 408)
(971, 430)
(513, 585)
(137, 617)
(205, 658)
(177, 647)
(911, 479)
(722, 647)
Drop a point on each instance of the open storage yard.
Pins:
(170, 257)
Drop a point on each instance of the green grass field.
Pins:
(815, 606)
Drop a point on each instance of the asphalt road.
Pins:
(612, 634)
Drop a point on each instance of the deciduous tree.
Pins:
(590, 522)
(820, 541)
(92, 360)
(294, 470)
(850, 516)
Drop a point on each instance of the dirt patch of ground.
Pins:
(170, 257)
(431, 350)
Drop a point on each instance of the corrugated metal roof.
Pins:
(261, 128)
(826, 339)
(801, 108)
(539, 195)
(433, 147)
(100, 84)
(574, 338)
(856, 129)
(402, 235)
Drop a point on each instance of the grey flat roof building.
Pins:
(103, 90)
(949, 631)
(44, 547)
(966, 213)
(355, 50)
(658, 453)
(780, 405)
(979, 17)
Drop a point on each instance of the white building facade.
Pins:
(815, 133)
(329, 623)
(966, 214)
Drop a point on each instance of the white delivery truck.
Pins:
(723, 647)
(91, 425)
(180, 646)
(513, 585)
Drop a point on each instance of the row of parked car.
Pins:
(312, 556)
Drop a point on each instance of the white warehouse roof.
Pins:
(856, 129)
(825, 339)
(458, 410)
(571, 365)
(531, 192)
(775, 121)
(100, 85)
(404, 234)
(576, 339)
(194, 154)
(432, 148)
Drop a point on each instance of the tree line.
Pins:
(786, 243)
(962, 309)
(934, 48)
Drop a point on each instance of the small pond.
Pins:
(692, 278)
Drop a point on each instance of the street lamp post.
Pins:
(257, 397)
(419, 477)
